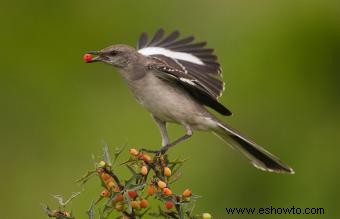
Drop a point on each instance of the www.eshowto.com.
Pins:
(277, 211)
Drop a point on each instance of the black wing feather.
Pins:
(143, 40)
(184, 41)
(189, 47)
(169, 39)
(206, 74)
(157, 38)
(194, 88)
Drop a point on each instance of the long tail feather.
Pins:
(257, 155)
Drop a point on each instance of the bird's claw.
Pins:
(159, 152)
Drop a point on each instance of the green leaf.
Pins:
(106, 154)
(86, 177)
(117, 153)
(128, 200)
(90, 212)
(137, 187)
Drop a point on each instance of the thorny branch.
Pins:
(151, 178)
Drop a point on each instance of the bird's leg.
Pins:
(180, 139)
(162, 128)
(165, 139)
(164, 134)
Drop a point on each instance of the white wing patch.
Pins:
(187, 81)
(175, 55)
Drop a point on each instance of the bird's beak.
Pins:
(96, 56)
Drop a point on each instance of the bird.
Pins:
(177, 79)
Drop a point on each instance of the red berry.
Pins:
(87, 57)
(169, 205)
(105, 193)
(144, 203)
(151, 190)
(167, 191)
(132, 194)
(119, 198)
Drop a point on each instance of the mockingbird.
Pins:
(174, 79)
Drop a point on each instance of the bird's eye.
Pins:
(113, 53)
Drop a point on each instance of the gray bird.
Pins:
(175, 79)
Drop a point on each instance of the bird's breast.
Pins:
(165, 100)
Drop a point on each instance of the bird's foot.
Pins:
(159, 152)
(149, 150)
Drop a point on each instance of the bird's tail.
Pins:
(257, 155)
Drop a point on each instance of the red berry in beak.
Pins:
(87, 57)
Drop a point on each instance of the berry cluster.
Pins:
(58, 213)
(150, 183)
(158, 183)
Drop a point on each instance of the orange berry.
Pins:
(132, 194)
(169, 205)
(116, 189)
(167, 191)
(111, 184)
(119, 198)
(105, 193)
(151, 190)
(147, 158)
(187, 193)
(134, 152)
(161, 184)
(134, 204)
(167, 171)
(144, 203)
(67, 214)
(144, 170)
(105, 176)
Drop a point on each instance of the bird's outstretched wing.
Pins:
(187, 63)
(192, 58)
(190, 84)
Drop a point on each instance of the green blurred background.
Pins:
(281, 62)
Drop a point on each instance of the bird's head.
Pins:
(119, 56)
